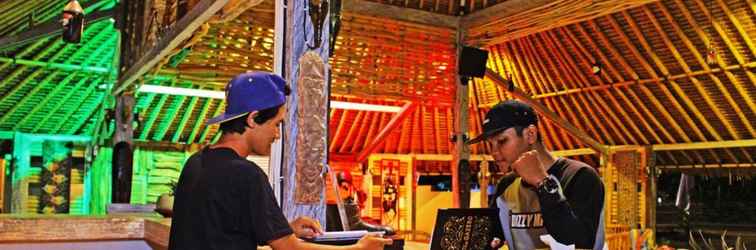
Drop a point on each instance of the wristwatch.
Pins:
(549, 185)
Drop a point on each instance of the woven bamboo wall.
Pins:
(626, 191)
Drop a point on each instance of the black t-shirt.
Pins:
(224, 202)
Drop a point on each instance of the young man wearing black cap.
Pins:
(541, 195)
(223, 201)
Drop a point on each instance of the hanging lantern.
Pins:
(711, 54)
(73, 22)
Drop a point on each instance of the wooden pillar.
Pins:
(652, 196)
(484, 180)
(123, 150)
(461, 153)
(298, 35)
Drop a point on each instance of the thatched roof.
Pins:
(655, 87)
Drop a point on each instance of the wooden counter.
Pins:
(111, 232)
(138, 231)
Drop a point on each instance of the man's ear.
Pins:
(532, 134)
(251, 119)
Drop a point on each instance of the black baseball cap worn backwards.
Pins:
(505, 115)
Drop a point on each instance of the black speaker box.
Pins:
(472, 62)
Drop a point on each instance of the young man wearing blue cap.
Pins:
(223, 201)
(541, 197)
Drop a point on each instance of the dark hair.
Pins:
(519, 129)
(237, 125)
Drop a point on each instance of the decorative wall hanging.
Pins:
(311, 139)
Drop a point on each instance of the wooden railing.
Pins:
(618, 241)
(622, 240)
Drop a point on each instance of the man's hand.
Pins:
(530, 168)
(496, 243)
(370, 241)
(306, 227)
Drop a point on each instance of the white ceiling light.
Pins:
(221, 95)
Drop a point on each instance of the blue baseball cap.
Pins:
(252, 91)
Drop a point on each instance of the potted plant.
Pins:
(164, 204)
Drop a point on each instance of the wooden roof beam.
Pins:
(537, 67)
(681, 93)
(734, 50)
(166, 122)
(350, 136)
(580, 102)
(662, 81)
(705, 145)
(706, 166)
(473, 157)
(200, 121)
(593, 98)
(367, 8)
(397, 120)
(720, 85)
(184, 119)
(564, 124)
(50, 28)
(500, 11)
(206, 132)
(182, 30)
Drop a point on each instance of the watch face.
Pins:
(551, 186)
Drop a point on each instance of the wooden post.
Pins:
(652, 174)
(123, 151)
(460, 184)
(298, 35)
(485, 179)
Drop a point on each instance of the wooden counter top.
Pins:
(70, 228)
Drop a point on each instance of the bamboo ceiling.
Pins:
(380, 58)
(44, 93)
(655, 86)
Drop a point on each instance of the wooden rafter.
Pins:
(397, 120)
(553, 140)
(147, 127)
(339, 131)
(86, 114)
(362, 134)
(680, 92)
(200, 121)
(662, 84)
(738, 56)
(580, 102)
(514, 19)
(720, 85)
(596, 101)
(706, 145)
(49, 29)
(74, 108)
(184, 119)
(206, 132)
(181, 31)
(369, 8)
(372, 129)
(586, 59)
(352, 129)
